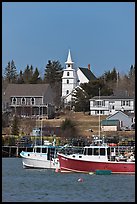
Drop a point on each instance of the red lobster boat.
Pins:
(98, 157)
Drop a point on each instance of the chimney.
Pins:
(88, 66)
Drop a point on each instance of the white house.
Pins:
(107, 105)
(72, 78)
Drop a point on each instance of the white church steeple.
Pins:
(69, 79)
(69, 62)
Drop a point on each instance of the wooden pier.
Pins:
(14, 151)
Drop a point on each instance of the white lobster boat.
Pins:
(44, 157)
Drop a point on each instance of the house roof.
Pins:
(25, 90)
(126, 114)
(109, 122)
(89, 75)
(112, 97)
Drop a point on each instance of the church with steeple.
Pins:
(73, 77)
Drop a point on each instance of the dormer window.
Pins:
(32, 101)
(23, 101)
(14, 100)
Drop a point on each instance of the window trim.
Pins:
(24, 101)
(31, 101)
(14, 102)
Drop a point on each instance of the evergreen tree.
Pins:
(131, 81)
(20, 78)
(52, 76)
(81, 100)
(31, 71)
(35, 78)
(131, 71)
(27, 75)
(53, 72)
(11, 72)
(8, 73)
(110, 75)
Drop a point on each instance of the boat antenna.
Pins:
(35, 134)
(99, 115)
(41, 126)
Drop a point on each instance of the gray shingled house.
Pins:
(126, 118)
(28, 99)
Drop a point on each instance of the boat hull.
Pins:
(38, 161)
(70, 164)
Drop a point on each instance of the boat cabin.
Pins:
(105, 152)
(47, 149)
(108, 153)
(97, 152)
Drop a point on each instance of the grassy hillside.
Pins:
(84, 123)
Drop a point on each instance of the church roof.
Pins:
(88, 73)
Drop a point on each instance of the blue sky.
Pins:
(101, 34)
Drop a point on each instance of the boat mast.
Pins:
(99, 116)
(41, 127)
(35, 135)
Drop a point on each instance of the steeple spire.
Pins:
(69, 60)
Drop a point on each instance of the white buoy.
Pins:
(80, 180)
(91, 173)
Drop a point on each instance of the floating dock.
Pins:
(103, 172)
(14, 151)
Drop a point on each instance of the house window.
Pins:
(102, 112)
(127, 103)
(103, 103)
(100, 103)
(23, 101)
(32, 101)
(122, 103)
(67, 73)
(67, 92)
(94, 103)
(67, 81)
(14, 100)
(97, 112)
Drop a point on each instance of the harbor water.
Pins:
(46, 185)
